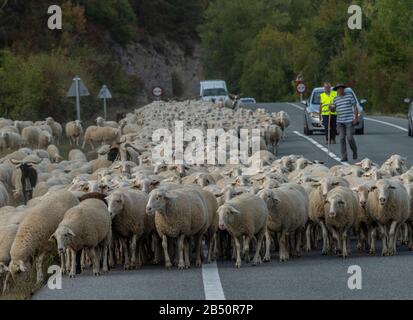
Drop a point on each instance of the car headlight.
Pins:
(315, 115)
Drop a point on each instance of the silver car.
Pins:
(312, 121)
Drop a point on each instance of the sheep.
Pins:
(54, 154)
(20, 125)
(388, 205)
(367, 164)
(77, 155)
(10, 140)
(74, 131)
(7, 235)
(130, 222)
(45, 139)
(85, 226)
(282, 119)
(317, 195)
(56, 129)
(4, 195)
(32, 238)
(30, 136)
(245, 215)
(395, 165)
(179, 213)
(102, 123)
(341, 210)
(101, 135)
(288, 215)
(273, 135)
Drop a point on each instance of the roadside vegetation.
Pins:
(260, 47)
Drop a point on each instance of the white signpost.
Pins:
(78, 89)
(105, 94)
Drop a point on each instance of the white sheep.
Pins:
(85, 226)
(245, 216)
(74, 131)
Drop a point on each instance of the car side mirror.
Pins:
(363, 101)
(407, 101)
(304, 103)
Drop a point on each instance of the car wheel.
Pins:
(306, 130)
(410, 131)
(360, 131)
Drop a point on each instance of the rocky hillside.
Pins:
(161, 62)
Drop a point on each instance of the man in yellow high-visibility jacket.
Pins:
(327, 112)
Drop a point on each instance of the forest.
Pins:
(257, 46)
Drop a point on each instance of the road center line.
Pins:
(387, 124)
(322, 148)
(296, 106)
(212, 282)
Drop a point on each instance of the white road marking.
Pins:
(322, 148)
(387, 124)
(296, 106)
(212, 283)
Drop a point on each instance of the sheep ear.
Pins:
(155, 182)
(392, 188)
(326, 202)
(316, 184)
(22, 267)
(355, 189)
(218, 194)
(52, 238)
(70, 232)
(359, 164)
(335, 184)
(234, 211)
(373, 188)
(170, 196)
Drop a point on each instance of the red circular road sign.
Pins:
(301, 87)
(157, 92)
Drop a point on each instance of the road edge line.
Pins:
(387, 124)
(212, 282)
(322, 148)
(296, 106)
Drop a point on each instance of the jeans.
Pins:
(346, 131)
(333, 127)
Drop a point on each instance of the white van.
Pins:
(213, 90)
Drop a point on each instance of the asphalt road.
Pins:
(310, 277)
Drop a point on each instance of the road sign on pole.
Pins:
(157, 92)
(77, 90)
(105, 94)
(301, 88)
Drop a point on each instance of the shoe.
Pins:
(355, 156)
(344, 160)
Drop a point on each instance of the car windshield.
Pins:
(317, 96)
(248, 100)
(214, 92)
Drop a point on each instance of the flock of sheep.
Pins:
(122, 209)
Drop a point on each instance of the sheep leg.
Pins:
(215, 253)
(95, 261)
(133, 247)
(73, 265)
(326, 245)
(125, 250)
(156, 245)
(394, 227)
(111, 255)
(282, 240)
(105, 267)
(385, 250)
(246, 249)
(186, 254)
(308, 237)
(63, 261)
(267, 257)
(181, 263)
(344, 238)
(372, 235)
(298, 240)
(168, 263)
(39, 268)
(198, 248)
(257, 256)
(238, 252)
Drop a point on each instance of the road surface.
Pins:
(310, 277)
